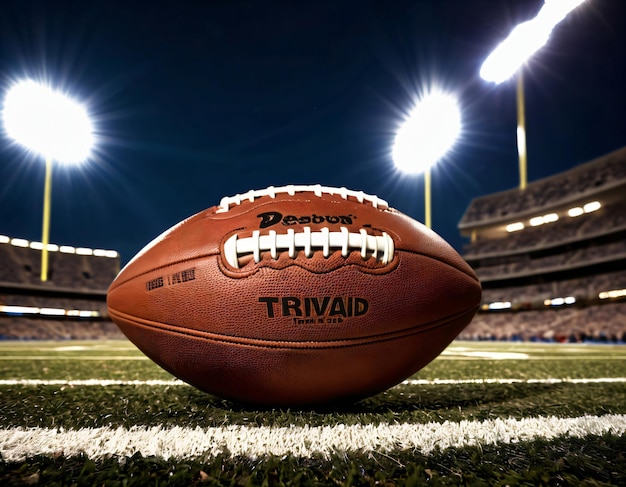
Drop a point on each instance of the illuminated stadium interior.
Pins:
(552, 257)
(71, 304)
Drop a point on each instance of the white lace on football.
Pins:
(291, 190)
(380, 247)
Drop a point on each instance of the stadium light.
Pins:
(425, 137)
(613, 294)
(509, 57)
(52, 125)
(592, 206)
(515, 227)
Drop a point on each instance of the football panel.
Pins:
(293, 304)
(288, 376)
(204, 233)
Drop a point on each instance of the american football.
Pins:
(295, 295)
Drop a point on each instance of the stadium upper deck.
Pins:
(560, 243)
(602, 179)
(69, 267)
(70, 304)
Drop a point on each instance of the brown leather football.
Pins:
(295, 295)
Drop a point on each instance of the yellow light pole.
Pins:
(45, 231)
(48, 123)
(426, 135)
(521, 130)
(427, 199)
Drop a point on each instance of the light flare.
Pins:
(525, 40)
(48, 122)
(430, 130)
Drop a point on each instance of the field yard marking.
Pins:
(54, 346)
(408, 382)
(16, 444)
(596, 380)
(485, 355)
(459, 357)
(74, 357)
(90, 382)
(72, 348)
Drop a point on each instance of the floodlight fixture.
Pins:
(525, 40)
(47, 122)
(428, 133)
(51, 124)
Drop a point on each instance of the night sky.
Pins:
(193, 101)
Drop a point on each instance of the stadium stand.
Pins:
(71, 304)
(552, 257)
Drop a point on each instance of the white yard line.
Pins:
(89, 382)
(596, 380)
(408, 382)
(16, 444)
(103, 358)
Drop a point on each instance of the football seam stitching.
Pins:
(473, 277)
(303, 345)
(117, 285)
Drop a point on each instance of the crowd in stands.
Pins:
(603, 324)
(75, 282)
(23, 266)
(588, 287)
(528, 264)
(22, 328)
(581, 256)
(609, 219)
(587, 178)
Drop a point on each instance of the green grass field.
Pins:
(100, 413)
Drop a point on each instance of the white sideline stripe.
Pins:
(90, 382)
(597, 380)
(74, 357)
(408, 382)
(301, 441)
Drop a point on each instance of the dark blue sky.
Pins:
(197, 100)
